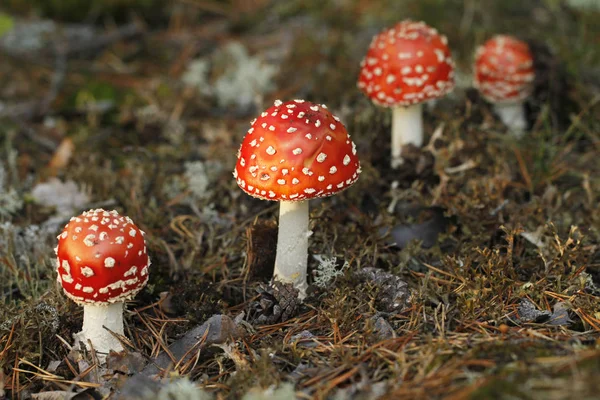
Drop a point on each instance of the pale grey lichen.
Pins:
(197, 75)
(327, 270)
(174, 132)
(242, 80)
(10, 200)
(50, 315)
(140, 387)
(25, 251)
(28, 36)
(46, 314)
(246, 79)
(174, 186)
(149, 114)
(66, 197)
(38, 36)
(284, 391)
(584, 5)
(30, 243)
(197, 178)
(181, 389)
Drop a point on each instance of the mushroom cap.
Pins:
(407, 64)
(504, 70)
(296, 151)
(101, 258)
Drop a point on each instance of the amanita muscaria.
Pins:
(405, 66)
(102, 262)
(504, 76)
(293, 152)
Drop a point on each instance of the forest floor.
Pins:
(472, 272)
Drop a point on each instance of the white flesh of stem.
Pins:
(407, 127)
(94, 318)
(292, 244)
(513, 116)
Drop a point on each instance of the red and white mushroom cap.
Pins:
(504, 70)
(407, 64)
(101, 258)
(296, 151)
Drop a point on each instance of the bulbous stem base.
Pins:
(95, 318)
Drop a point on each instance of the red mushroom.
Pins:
(405, 66)
(293, 152)
(504, 76)
(101, 263)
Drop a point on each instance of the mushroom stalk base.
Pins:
(407, 127)
(292, 245)
(513, 116)
(94, 318)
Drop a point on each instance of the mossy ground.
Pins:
(460, 338)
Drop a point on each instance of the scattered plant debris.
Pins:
(472, 271)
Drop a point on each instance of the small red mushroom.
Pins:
(405, 66)
(293, 152)
(504, 76)
(101, 263)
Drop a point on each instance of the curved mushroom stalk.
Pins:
(293, 152)
(513, 116)
(292, 245)
(407, 127)
(95, 318)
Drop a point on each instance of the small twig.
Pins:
(500, 207)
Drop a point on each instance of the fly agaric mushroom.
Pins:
(101, 263)
(504, 76)
(293, 152)
(405, 66)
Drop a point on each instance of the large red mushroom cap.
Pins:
(296, 151)
(101, 258)
(504, 70)
(407, 64)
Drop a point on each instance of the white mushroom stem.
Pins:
(292, 245)
(513, 116)
(94, 318)
(407, 127)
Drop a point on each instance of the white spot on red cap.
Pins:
(89, 240)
